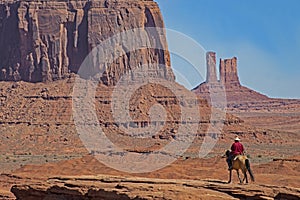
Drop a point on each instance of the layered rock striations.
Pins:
(229, 82)
(46, 40)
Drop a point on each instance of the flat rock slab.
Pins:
(114, 187)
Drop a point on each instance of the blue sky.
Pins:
(263, 34)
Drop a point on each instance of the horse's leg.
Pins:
(238, 174)
(230, 173)
(245, 175)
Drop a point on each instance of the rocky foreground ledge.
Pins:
(108, 187)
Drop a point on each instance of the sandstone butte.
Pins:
(47, 40)
(41, 154)
(229, 81)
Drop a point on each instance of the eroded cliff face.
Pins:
(46, 40)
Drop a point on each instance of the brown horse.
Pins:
(242, 163)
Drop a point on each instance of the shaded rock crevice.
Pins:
(9, 40)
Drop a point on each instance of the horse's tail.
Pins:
(247, 162)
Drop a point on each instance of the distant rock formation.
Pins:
(227, 67)
(50, 39)
(211, 67)
(228, 71)
(229, 82)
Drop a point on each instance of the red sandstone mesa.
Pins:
(45, 40)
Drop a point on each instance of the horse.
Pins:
(240, 162)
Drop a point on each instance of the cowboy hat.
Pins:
(237, 139)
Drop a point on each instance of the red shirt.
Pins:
(237, 148)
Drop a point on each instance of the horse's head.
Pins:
(227, 154)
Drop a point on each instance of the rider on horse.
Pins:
(236, 149)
